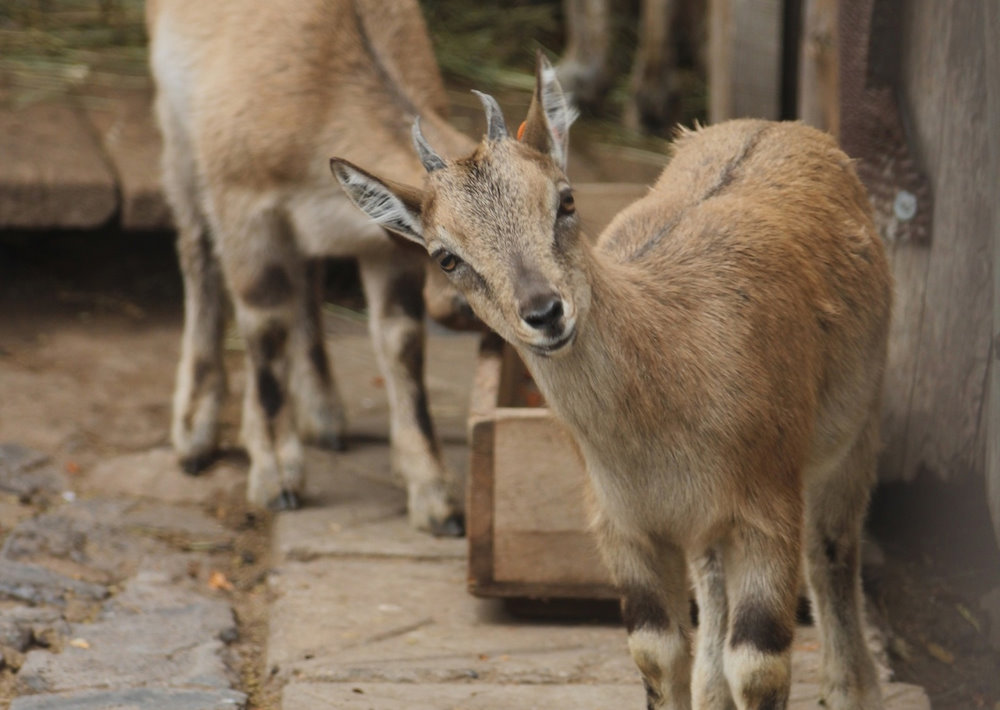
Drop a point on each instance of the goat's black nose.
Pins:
(542, 311)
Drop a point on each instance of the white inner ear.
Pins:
(381, 205)
(559, 114)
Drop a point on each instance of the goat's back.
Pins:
(759, 237)
(268, 92)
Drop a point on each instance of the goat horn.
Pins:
(431, 160)
(496, 128)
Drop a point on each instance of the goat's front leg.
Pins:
(762, 577)
(836, 506)
(393, 287)
(653, 583)
(709, 687)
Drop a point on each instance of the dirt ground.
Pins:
(89, 328)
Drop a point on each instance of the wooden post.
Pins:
(744, 59)
(819, 94)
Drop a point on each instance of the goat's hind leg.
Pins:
(652, 580)
(393, 284)
(201, 377)
(762, 576)
(709, 687)
(836, 505)
(266, 276)
(319, 413)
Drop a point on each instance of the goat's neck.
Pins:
(607, 366)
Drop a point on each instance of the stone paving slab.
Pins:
(386, 696)
(491, 696)
(39, 585)
(155, 474)
(28, 473)
(413, 621)
(152, 634)
(53, 173)
(134, 699)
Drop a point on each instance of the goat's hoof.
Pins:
(331, 442)
(196, 465)
(452, 526)
(286, 500)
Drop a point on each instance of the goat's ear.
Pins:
(550, 115)
(392, 205)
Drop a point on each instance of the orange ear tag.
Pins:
(520, 130)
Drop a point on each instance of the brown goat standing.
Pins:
(250, 100)
(719, 357)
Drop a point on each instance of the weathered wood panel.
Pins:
(52, 172)
(744, 58)
(123, 120)
(990, 30)
(528, 526)
(819, 76)
(945, 323)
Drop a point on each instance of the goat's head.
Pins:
(500, 223)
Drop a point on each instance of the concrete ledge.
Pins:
(53, 173)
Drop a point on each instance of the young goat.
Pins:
(250, 100)
(719, 357)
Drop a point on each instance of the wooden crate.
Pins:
(527, 519)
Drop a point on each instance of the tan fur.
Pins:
(727, 339)
(251, 101)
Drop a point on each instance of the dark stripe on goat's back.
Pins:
(725, 178)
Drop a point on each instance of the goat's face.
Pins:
(501, 223)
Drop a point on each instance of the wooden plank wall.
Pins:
(744, 59)
(943, 328)
(990, 30)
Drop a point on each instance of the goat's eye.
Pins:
(566, 204)
(448, 261)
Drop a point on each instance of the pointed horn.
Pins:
(496, 128)
(431, 160)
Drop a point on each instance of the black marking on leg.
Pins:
(286, 500)
(762, 628)
(830, 549)
(773, 700)
(452, 526)
(406, 293)
(269, 392)
(273, 287)
(272, 341)
(195, 465)
(319, 360)
(803, 612)
(643, 609)
(652, 696)
(411, 356)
